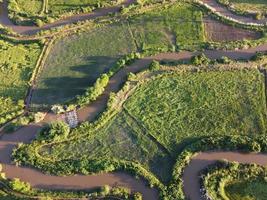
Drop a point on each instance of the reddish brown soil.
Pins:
(218, 32)
(202, 160)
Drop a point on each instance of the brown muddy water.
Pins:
(204, 159)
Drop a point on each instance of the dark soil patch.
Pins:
(218, 32)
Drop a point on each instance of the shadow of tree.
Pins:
(54, 90)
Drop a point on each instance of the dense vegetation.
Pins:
(46, 11)
(17, 62)
(75, 62)
(235, 181)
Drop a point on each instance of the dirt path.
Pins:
(204, 159)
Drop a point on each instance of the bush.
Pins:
(137, 196)
(93, 92)
(57, 109)
(38, 117)
(154, 66)
(105, 190)
(55, 131)
(201, 59)
(20, 186)
(39, 23)
(259, 16)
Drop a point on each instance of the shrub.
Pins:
(57, 109)
(154, 66)
(201, 59)
(259, 16)
(55, 131)
(39, 116)
(20, 186)
(39, 23)
(137, 196)
(105, 190)
(93, 92)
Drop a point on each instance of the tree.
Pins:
(55, 131)
(154, 66)
(20, 186)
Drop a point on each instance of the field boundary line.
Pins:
(146, 132)
(264, 72)
(132, 35)
(39, 66)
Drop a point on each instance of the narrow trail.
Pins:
(40, 180)
(204, 159)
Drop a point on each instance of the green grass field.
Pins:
(17, 61)
(31, 7)
(75, 62)
(247, 190)
(56, 7)
(121, 139)
(178, 26)
(179, 108)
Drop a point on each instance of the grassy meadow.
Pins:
(58, 7)
(179, 108)
(17, 62)
(75, 63)
(259, 6)
(178, 26)
(255, 189)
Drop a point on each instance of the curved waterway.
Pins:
(40, 180)
(204, 159)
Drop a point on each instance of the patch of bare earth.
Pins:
(219, 32)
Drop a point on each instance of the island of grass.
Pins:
(246, 6)
(166, 110)
(235, 181)
(75, 62)
(40, 12)
(17, 63)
